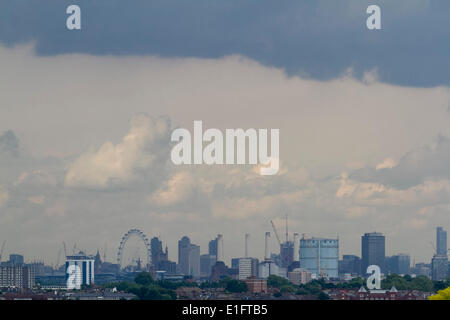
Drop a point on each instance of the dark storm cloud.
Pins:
(319, 39)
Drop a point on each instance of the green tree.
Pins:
(143, 278)
(394, 280)
(440, 285)
(407, 277)
(287, 289)
(422, 283)
(236, 286)
(276, 281)
(323, 296)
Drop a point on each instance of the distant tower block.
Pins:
(219, 247)
(296, 245)
(267, 246)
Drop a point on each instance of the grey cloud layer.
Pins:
(417, 166)
(318, 39)
(120, 174)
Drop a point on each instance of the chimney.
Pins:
(219, 247)
(267, 249)
(247, 236)
(296, 245)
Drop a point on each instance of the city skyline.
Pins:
(274, 249)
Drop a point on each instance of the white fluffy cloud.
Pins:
(179, 188)
(117, 163)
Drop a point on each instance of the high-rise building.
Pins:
(398, 264)
(441, 241)
(421, 269)
(248, 267)
(188, 257)
(79, 270)
(184, 246)
(350, 264)
(439, 267)
(17, 276)
(212, 247)
(206, 263)
(320, 256)
(373, 246)
(286, 254)
(16, 259)
(215, 247)
(235, 263)
(439, 263)
(194, 261)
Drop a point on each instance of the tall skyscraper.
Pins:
(212, 247)
(184, 246)
(188, 257)
(373, 248)
(194, 261)
(441, 241)
(439, 263)
(215, 247)
(286, 254)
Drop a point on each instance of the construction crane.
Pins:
(434, 247)
(57, 260)
(1, 251)
(322, 271)
(275, 231)
(315, 257)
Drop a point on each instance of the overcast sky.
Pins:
(86, 118)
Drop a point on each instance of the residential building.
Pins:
(299, 276)
(17, 276)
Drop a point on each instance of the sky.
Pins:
(86, 118)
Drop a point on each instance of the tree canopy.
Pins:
(441, 295)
